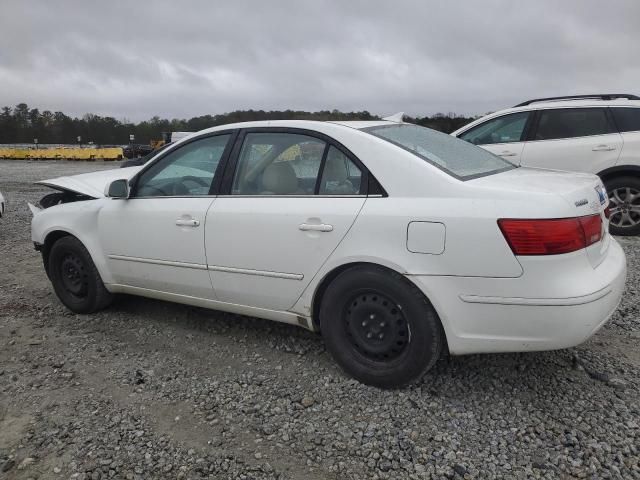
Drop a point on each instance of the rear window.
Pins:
(627, 119)
(458, 158)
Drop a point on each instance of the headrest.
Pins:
(280, 178)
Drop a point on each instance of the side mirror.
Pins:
(117, 189)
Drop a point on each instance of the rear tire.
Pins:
(624, 204)
(379, 327)
(75, 278)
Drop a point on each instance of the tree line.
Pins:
(22, 124)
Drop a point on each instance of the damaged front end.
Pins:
(78, 188)
(60, 197)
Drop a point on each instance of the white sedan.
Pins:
(395, 241)
(2, 205)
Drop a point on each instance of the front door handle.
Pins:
(316, 227)
(603, 148)
(507, 153)
(187, 222)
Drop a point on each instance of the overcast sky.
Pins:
(136, 59)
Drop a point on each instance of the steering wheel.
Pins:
(179, 188)
(157, 189)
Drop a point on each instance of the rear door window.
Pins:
(278, 164)
(572, 122)
(627, 119)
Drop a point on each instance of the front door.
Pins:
(155, 239)
(503, 135)
(292, 200)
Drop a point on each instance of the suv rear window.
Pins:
(627, 119)
(572, 122)
(458, 158)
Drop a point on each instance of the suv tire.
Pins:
(624, 205)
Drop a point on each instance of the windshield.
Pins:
(456, 157)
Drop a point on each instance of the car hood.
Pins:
(90, 184)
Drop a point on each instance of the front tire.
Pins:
(624, 205)
(75, 278)
(379, 327)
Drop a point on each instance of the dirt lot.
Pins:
(149, 389)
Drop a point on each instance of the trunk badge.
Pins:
(581, 202)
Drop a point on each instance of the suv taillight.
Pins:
(551, 236)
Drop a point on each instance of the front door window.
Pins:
(187, 171)
(504, 129)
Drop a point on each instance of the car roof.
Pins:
(590, 102)
(308, 124)
(381, 157)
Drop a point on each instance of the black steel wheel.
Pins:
(379, 327)
(75, 278)
(376, 326)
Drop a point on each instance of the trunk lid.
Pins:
(584, 193)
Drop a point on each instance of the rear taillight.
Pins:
(592, 226)
(551, 236)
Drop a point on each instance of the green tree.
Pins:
(22, 125)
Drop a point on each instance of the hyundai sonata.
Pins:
(394, 241)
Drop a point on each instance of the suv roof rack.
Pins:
(601, 96)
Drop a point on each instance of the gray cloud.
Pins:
(181, 59)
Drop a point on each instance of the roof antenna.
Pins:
(396, 117)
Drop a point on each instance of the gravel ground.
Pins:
(149, 389)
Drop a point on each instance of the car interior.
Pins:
(285, 168)
(269, 164)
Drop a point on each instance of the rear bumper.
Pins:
(556, 304)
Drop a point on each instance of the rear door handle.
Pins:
(507, 153)
(603, 148)
(316, 227)
(187, 222)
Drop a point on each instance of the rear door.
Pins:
(573, 139)
(291, 197)
(503, 135)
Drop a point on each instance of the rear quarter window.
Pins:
(627, 119)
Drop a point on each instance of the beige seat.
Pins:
(279, 178)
